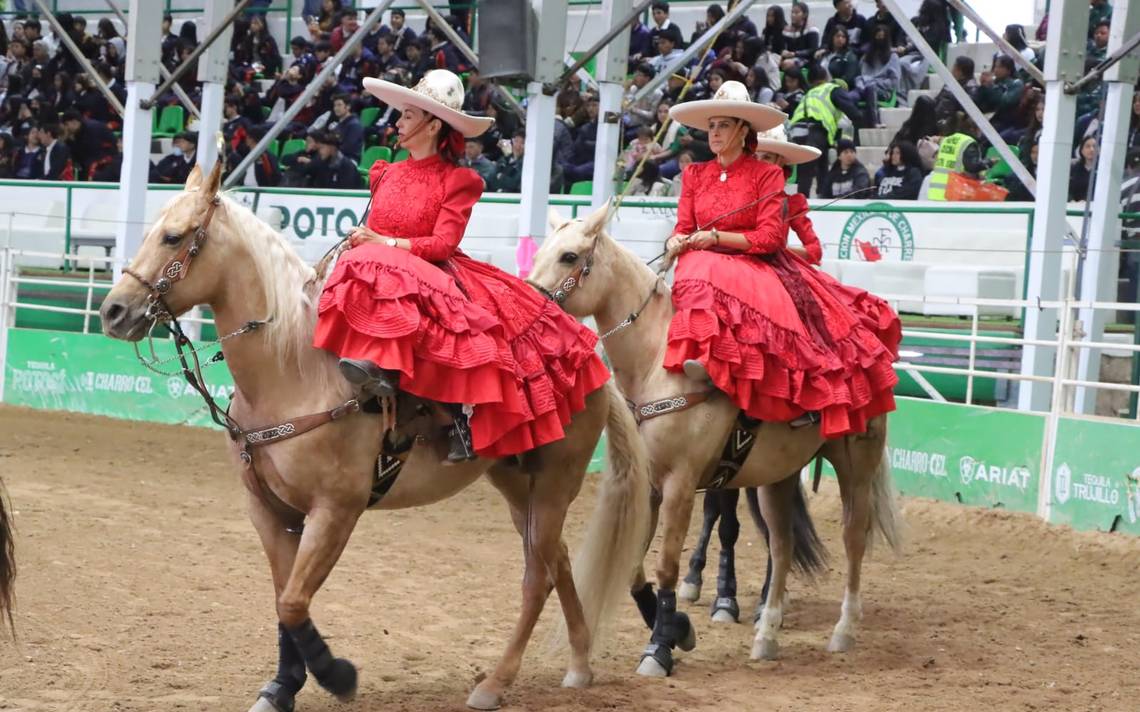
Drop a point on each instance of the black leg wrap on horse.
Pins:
(672, 629)
(646, 602)
(291, 673)
(729, 604)
(278, 696)
(336, 675)
(726, 579)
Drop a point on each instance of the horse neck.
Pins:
(636, 352)
(276, 365)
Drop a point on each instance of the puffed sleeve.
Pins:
(799, 221)
(686, 213)
(375, 172)
(462, 189)
(770, 234)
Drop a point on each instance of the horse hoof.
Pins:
(264, 705)
(766, 649)
(341, 680)
(578, 680)
(481, 699)
(688, 641)
(722, 616)
(649, 667)
(841, 643)
(690, 592)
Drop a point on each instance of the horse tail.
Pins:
(809, 555)
(615, 539)
(7, 564)
(885, 514)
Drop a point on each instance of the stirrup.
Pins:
(367, 377)
(459, 440)
(696, 371)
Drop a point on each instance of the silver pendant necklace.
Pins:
(723, 174)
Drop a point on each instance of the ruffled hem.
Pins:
(407, 315)
(775, 374)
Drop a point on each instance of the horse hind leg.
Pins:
(641, 590)
(725, 609)
(775, 503)
(690, 589)
(868, 499)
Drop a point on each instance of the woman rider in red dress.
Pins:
(406, 309)
(772, 146)
(752, 317)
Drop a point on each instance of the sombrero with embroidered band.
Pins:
(775, 140)
(439, 93)
(731, 100)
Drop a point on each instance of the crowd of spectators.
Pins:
(56, 125)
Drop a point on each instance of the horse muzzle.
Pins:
(125, 320)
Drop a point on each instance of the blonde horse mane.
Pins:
(291, 289)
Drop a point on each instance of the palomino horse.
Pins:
(306, 492)
(583, 268)
(7, 564)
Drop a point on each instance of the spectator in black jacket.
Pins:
(265, 169)
(175, 168)
(846, 175)
(303, 58)
(580, 165)
(801, 39)
(774, 24)
(902, 176)
(845, 17)
(883, 16)
(946, 106)
(331, 168)
(348, 125)
(28, 162)
(88, 140)
(1081, 172)
(402, 35)
(661, 23)
(56, 156)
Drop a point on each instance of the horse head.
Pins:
(574, 266)
(160, 281)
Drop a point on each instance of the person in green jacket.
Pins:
(1001, 92)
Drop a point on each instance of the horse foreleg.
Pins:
(642, 590)
(775, 504)
(855, 491)
(280, 548)
(690, 589)
(326, 534)
(671, 628)
(725, 608)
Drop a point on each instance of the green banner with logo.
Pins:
(969, 454)
(1096, 476)
(90, 373)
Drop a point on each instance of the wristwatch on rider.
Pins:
(392, 242)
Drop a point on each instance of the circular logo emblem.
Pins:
(174, 386)
(877, 233)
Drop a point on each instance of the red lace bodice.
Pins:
(427, 201)
(704, 198)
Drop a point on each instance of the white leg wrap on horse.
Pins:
(766, 645)
(843, 638)
(578, 680)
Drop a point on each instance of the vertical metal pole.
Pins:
(5, 258)
(212, 70)
(1098, 283)
(537, 156)
(142, 76)
(1064, 61)
(612, 67)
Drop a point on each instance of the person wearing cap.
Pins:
(331, 168)
(752, 319)
(847, 174)
(874, 313)
(175, 168)
(503, 368)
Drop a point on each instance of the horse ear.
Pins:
(554, 218)
(194, 180)
(596, 221)
(214, 182)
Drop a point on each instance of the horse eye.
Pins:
(171, 239)
(568, 258)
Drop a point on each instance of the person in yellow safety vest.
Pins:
(959, 152)
(815, 122)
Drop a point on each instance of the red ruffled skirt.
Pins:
(735, 315)
(463, 332)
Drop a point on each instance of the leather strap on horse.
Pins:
(673, 404)
(291, 428)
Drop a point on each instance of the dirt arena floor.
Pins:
(142, 588)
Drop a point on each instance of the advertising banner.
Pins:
(1096, 476)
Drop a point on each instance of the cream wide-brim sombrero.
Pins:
(731, 99)
(774, 140)
(439, 93)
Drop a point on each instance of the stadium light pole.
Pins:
(612, 64)
(141, 71)
(1098, 277)
(537, 154)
